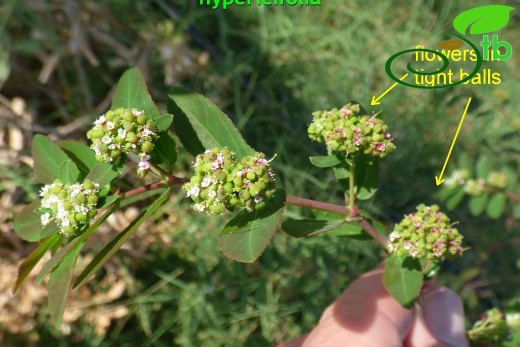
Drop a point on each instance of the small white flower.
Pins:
(136, 112)
(240, 173)
(214, 166)
(100, 120)
(144, 165)
(45, 218)
(199, 207)
(212, 194)
(106, 140)
(110, 125)
(121, 133)
(194, 191)
(206, 181)
(394, 235)
(258, 198)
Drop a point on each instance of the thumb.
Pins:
(439, 320)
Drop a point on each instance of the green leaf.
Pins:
(325, 161)
(496, 205)
(309, 227)
(80, 154)
(48, 158)
(49, 229)
(342, 173)
(477, 204)
(163, 122)
(164, 150)
(455, 199)
(119, 240)
(246, 236)
(511, 171)
(516, 211)
(351, 230)
(32, 260)
(466, 163)
(102, 173)
(201, 125)
(447, 192)
(483, 19)
(106, 201)
(59, 286)
(131, 92)
(365, 176)
(76, 243)
(68, 172)
(483, 166)
(27, 223)
(403, 279)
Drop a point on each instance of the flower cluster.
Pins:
(490, 330)
(222, 182)
(348, 133)
(497, 179)
(475, 187)
(70, 206)
(426, 234)
(121, 131)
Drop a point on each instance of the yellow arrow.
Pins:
(439, 180)
(375, 101)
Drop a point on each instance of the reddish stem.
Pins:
(318, 205)
(156, 185)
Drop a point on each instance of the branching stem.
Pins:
(350, 212)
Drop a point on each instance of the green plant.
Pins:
(229, 174)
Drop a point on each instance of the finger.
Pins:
(297, 342)
(364, 315)
(439, 320)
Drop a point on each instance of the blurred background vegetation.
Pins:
(268, 68)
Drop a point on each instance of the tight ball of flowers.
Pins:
(70, 206)
(426, 234)
(497, 180)
(222, 182)
(121, 131)
(347, 132)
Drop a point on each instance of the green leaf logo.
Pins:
(481, 20)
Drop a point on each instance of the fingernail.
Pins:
(444, 316)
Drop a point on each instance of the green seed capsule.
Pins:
(80, 217)
(131, 137)
(251, 176)
(70, 230)
(97, 133)
(87, 184)
(93, 199)
(141, 119)
(238, 182)
(147, 146)
(115, 153)
(128, 116)
(109, 116)
(228, 188)
(196, 179)
(260, 205)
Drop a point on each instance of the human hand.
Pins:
(366, 315)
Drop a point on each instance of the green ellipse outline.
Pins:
(388, 66)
